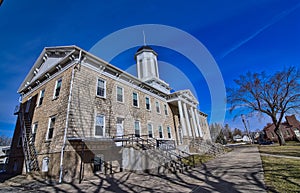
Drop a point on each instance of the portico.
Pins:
(185, 107)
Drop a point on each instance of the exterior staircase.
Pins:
(170, 160)
(207, 147)
(28, 141)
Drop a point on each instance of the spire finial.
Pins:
(144, 38)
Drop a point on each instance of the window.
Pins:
(287, 132)
(100, 126)
(42, 92)
(20, 141)
(166, 109)
(34, 129)
(157, 107)
(147, 103)
(150, 131)
(169, 132)
(57, 88)
(51, 128)
(160, 132)
(101, 88)
(45, 164)
(137, 131)
(135, 99)
(120, 94)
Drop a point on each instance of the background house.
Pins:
(290, 129)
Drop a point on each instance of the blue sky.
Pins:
(241, 36)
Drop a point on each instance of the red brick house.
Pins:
(290, 129)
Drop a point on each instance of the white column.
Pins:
(153, 73)
(198, 116)
(194, 122)
(182, 118)
(145, 68)
(187, 120)
(198, 123)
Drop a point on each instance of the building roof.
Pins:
(144, 48)
(292, 121)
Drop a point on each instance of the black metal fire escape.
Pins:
(29, 150)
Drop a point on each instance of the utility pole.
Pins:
(245, 125)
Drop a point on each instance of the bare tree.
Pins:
(273, 95)
(4, 140)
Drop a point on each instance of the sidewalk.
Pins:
(237, 171)
(281, 156)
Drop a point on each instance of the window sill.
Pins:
(55, 98)
(101, 97)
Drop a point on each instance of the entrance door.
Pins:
(98, 163)
(120, 130)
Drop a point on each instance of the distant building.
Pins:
(237, 138)
(77, 112)
(290, 129)
(4, 153)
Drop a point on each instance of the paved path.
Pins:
(281, 156)
(237, 171)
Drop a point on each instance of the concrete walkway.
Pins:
(281, 156)
(237, 171)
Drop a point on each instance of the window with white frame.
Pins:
(120, 94)
(101, 88)
(41, 97)
(57, 88)
(51, 127)
(135, 99)
(100, 126)
(166, 109)
(157, 107)
(150, 131)
(148, 106)
(137, 130)
(34, 129)
(160, 132)
(169, 132)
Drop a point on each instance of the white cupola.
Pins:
(147, 68)
(146, 60)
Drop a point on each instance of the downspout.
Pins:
(67, 122)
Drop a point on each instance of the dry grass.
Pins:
(290, 149)
(199, 159)
(282, 174)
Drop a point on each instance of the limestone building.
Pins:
(78, 111)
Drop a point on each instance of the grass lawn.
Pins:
(290, 149)
(281, 174)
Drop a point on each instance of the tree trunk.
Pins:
(280, 137)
